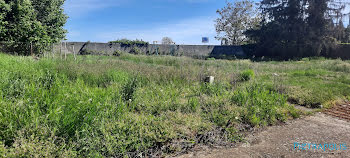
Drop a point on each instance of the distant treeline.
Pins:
(286, 28)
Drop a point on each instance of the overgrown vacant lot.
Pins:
(145, 105)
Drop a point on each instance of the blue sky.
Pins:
(185, 21)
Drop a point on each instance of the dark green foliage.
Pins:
(135, 50)
(346, 37)
(118, 53)
(296, 28)
(31, 25)
(4, 9)
(51, 15)
(128, 43)
(247, 75)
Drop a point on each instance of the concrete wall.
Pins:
(152, 49)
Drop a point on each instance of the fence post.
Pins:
(61, 50)
(65, 51)
(75, 58)
(52, 51)
(31, 49)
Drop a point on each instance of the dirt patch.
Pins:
(278, 141)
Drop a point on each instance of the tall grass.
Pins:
(142, 105)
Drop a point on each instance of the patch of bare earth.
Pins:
(278, 141)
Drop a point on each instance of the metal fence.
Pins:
(51, 50)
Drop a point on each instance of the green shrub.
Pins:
(260, 106)
(128, 43)
(247, 75)
(118, 53)
(129, 89)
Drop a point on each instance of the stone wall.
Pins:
(152, 49)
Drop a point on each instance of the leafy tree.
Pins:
(36, 23)
(51, 15)
(4, 9)
(295, 28)
(319, 34)
(235, 19)
(167, 40)
(347, 35)
(282, 28)
(339, 32)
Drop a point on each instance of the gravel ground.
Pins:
(278, 141)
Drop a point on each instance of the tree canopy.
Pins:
(39, 22)
(235, 19)
(287, 29)
(296, 28)
(167, 40)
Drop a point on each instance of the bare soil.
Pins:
(278, 141)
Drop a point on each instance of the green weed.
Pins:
(125, 106)
(247, 75)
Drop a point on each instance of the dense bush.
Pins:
(247, 75)
(118, 53)
(128, 43)
(135, 50)
(31, 25)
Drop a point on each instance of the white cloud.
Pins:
(188, 31)
(76, 8)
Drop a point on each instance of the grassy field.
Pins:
(130, 105)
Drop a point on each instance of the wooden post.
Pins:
(61, 50)
(75, 58)
(65, 51)
(31, 49)
(52, 51)
(48, 53)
